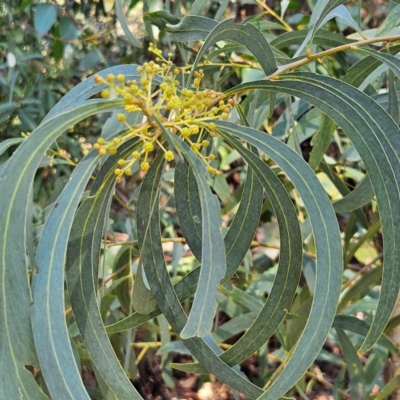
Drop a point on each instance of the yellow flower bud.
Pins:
(105, 94)
(148, 147)
(121, 117)
(194, 129)
(131, 108)
(169, 155)
(144, 166)
(112, 150)
(185, 132)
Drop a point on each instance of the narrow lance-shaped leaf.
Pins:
(188, 206)
(237, 240)
(360, 196)
(247, 35)
(328, 249)
(160, 283)
(15, 305)
(213, 259)
(364, 282)
(388, 389)
(198, 7)
(5, 144)
(321, 140)
(322, 38)
(343, 189)
(391, 21)
(82, 276)
(392, 62)
(393, 108)
(354, 366)
(190, 28)
(365, 238)
(49, 328)
(345, 322)
(358, 72)
(125, 27)
(377, 139)
(318, 18)
(353, 324)
(89, 87)
(160, 18)
(290, 262)
(143, 300)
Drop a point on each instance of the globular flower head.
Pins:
(144, 166)
(169, 155)
(186, 112)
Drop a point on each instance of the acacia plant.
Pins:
(177, 120)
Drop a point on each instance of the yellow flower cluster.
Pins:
(184, 112)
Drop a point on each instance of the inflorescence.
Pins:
(184, 112)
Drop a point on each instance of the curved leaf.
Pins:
(5, 144)
(49, 329)
(248, 36)
(392, 62)
(190, 28)
(188, 206)
(213, 260)
(371, 277)
(322, 38)
(321, 140)
(121, 18)
(323, 11)
(237, 241)
(328, 249)
(15, 305)
(354, 366)
(287, 278)
(342, 188)
(157, 275)
(360, 196)
(391, 21)
(377, 139)
(89, 87)
(358, 72)
(361, 327)
(82, 275)
(290, 261)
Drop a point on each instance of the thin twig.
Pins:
(274, 14)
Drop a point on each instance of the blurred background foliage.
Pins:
(46, 48)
